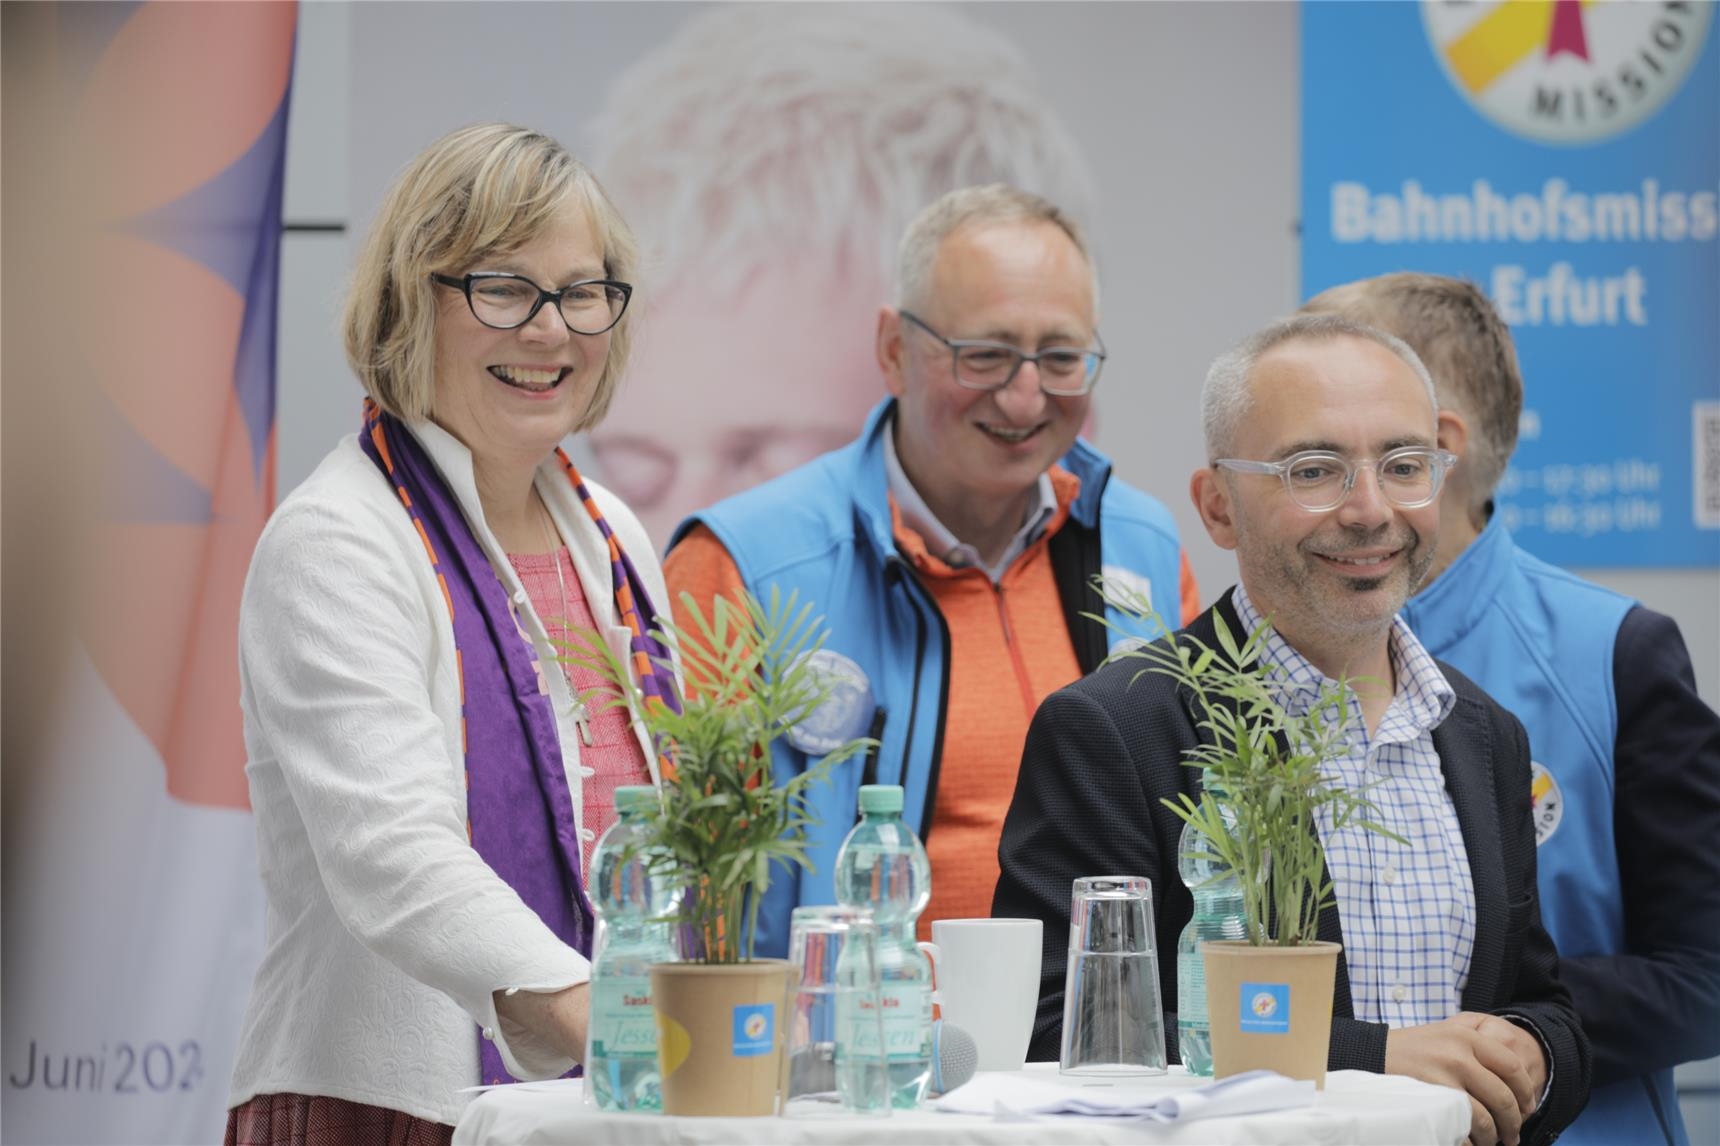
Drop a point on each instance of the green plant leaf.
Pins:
(1264, 787)
(724, 819)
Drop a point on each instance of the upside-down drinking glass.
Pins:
(1113, 1022)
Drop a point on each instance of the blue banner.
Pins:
(1566, 157)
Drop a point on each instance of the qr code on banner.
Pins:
(1705, 417)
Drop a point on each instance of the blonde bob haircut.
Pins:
(479, 193)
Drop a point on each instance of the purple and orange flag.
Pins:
(179, 117)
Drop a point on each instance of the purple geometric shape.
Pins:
(232, 225)
(254, 363)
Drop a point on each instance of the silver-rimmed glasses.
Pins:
(505, 301)
(1319, 480)
(980, 364)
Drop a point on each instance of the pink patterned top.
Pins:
(613, 758)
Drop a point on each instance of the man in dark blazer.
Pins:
(1329, 546)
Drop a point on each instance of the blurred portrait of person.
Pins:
(770, 158)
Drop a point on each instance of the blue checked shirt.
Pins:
(1408, 911)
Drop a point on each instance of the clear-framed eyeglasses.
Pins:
(1319, 481)
(980, 364)
(506, 301)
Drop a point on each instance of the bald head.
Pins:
(1226, 396)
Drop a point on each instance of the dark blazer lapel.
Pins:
(1329, 928)
(1465, 751)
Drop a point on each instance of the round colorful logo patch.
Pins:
(847, 710)
(1263, 1005)
(1566, 71)
(1547, 801)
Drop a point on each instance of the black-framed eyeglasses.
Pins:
(506, 301)
(979, 364)
(1320, 481)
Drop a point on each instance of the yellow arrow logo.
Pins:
(1499, 41)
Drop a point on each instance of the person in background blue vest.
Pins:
(1626, 772)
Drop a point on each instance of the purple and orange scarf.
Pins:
(519, 808)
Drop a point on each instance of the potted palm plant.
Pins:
(1264, 791)
(721, 825)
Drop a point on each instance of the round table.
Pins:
(1356, 1107)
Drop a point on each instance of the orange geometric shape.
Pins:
(166, 357)
(204, 748)
(181, 92)
(163, 621)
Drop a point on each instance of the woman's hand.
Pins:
(553, 1019)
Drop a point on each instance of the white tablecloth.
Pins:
(1356, 1107)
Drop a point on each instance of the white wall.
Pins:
(317, 398)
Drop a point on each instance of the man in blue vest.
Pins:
(1626, 772)
(952, 547)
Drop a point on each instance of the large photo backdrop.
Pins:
(769, 157)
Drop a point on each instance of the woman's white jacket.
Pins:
(386, 933)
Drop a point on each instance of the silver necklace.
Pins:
(581, 715)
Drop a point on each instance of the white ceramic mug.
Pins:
(988, 983)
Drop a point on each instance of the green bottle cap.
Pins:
(881, 799)
(635, 798)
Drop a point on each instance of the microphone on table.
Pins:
(955, 1057)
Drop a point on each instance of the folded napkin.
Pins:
(1013, 1097)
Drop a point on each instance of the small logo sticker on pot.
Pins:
(755, 1030)
(1265, 1008)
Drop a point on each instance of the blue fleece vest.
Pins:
(824, 532)
(1540, 641)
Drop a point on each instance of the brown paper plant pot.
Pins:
(1270, 1008)
(720, 1035)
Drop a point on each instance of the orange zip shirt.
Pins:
(1009, 650)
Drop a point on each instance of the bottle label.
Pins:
(623, 1021)
(1191, 988)
(906, 1029)
(908, 1021)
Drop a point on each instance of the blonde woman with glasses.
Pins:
(426, 782)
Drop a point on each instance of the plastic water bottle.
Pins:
(1217, 915)
(883, 866)
(621, 1063)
